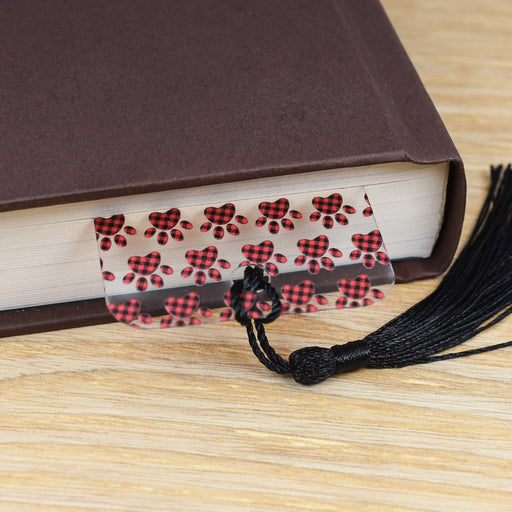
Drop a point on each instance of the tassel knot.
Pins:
(311, 365)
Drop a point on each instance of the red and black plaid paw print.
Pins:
(146, 267)
(313, 252)
(260, 254)
(220, 217)
(201, 261)
(181, 311)
(297, 298)
(111, 226)
(370, 247)
(355, 292)
(328, 209)
(276, 213)
(166, 222)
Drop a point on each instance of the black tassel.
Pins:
(475, 294)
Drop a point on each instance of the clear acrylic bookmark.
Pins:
(319, 250)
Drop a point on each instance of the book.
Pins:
(116, 107)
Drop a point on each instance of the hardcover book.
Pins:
(118, 107)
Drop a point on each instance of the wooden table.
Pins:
(106, 418)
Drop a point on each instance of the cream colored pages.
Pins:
(49, 255)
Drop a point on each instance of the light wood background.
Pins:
(110, 419)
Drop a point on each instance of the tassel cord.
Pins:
(477, 288)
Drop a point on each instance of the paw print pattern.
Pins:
(221, 217)
(181, 311)
(314, 250)
(260, 254)
(276, 212)
(111, 226)
(200, 261)
(354, 292)
(370, 247)
(328, 209)
(146, 267)
(297, 298)
(165, 222)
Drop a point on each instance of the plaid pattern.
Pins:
(109, 226)
(126, 312)
(205, 312)
(327, 263)
(370, 242)
(221, 215)
(328, 205)
(328, 222)
(313, 248)
(272, 269)
(355, 255)
(341, 302)
(202, 259)
(120, 240)
(177, 235)
(287, 224)
(215, 274)
(145, 318)
(142, 284)
(200, 278)
(165, 321)
(356, 288)
(382, 258)
(315, 216)
(232, 230)
(275, 210)
(130, 230)
(108, 276)
(182, 307)
(157, 281)
(226, 314)
(313, 267)
(218, 232)
(128, 278)
(298, 294)
(260, 253)
(368, 211)
(145, 265)
(341, 219)
(166, 220)
(335, 253)
(273, 227)
(105, 244)
(187, 272)
(375, 292)
(368, 261)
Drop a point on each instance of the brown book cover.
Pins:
(104, 98)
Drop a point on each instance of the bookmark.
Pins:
(177, 267)
(254, 261)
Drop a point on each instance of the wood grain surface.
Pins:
(110, 419)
